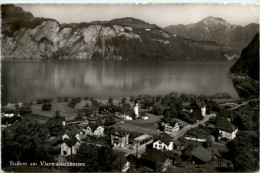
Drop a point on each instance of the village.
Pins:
(162, 133)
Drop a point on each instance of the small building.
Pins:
(145, 118)
(124, 116)
(143, 140)
(198, 106)
(171, 127)
(9, 115)
(94, 130)
(69, 145)
(119, 138)
(156, 160)
(164, 143)
(227, 133)
(201, 155)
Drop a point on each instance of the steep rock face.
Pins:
(125, 38)
(217, 30)
(248, 63)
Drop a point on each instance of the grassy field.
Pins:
(151, 123)
(39, 118)
(65, 110)
(63, 107)
(136, 129)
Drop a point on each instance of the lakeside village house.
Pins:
(71, 139)
(164, 143)
(198, 106)
(120, 138)
(94, 130)
(70, 143)
(171, 127)
(228, 132)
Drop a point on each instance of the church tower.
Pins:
(136, 110)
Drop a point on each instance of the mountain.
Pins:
(25, 36)
(217, 30)
(248, 63)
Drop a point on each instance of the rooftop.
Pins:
(202, 154)
(155, 156)
(142, 137)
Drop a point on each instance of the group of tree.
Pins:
(26, 141)
(54, 125)
(46, 106)
(98, 159)
(244, 151)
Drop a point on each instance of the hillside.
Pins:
(24, 36)
(217, 30)
(248, 63)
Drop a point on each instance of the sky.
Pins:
(160, 14)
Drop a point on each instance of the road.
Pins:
(188, 127)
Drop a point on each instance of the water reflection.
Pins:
(29, 80)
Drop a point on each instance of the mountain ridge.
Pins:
(117, 39)
(248, 63)
(217, 30)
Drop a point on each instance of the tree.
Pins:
(46, 106)
(57, 113)
(132, 98)
(157, 109)
(66, 99)
(25, 109)
(184, 97)
(208, 143)
(109, 121)
(26, 141)
(96, 159)
(202, 97)
(243, 156)
(123, 100)
(127, 109)
(110, 101)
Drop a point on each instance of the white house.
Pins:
(94, 130)
(171, 128)
(9, 115)
(124, 117)
(198, 106)
(165, 143)
(126, 166)
(70, 145)
(120, 138)
(227, 134)
(145, 118)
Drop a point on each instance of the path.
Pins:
(188, 127)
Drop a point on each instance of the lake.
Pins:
(24, 80)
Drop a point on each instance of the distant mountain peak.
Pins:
(213, 21)
(128, 20)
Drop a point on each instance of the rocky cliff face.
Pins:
(24, 36)
(217, 30)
